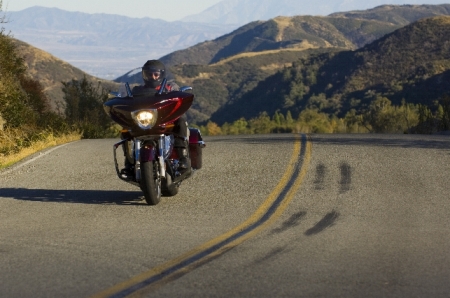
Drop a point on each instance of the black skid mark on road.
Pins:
(319, 181)
(272, 254)
(323, 224)
(346, 177)
(293, 221)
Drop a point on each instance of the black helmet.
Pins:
(153, 72)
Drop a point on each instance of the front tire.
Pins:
(150, 183)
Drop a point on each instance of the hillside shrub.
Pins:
(84, 109)
(25, 117)
(381, 117)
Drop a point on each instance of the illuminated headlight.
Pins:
(146, 119)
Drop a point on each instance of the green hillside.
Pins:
(289, 63)
(349, 30)
(216, 84)
(30, 120)
(412, 63)
(301, 32)
(222, 70)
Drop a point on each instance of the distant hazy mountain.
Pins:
(105, 45)
(245, 11)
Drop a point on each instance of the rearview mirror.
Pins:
(185, 88)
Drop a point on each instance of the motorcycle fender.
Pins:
(148, 153)
(194, 136)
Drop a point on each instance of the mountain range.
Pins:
(347, 30)
(107, 46)
(244, 70)
(332, 63)
(411, 64)
(223, 70)
(241, 12)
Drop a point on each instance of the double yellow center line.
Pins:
(265, 215)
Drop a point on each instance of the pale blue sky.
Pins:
(169, 10)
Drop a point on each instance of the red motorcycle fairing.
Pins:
(170, 107)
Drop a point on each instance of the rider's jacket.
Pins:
(143, 90)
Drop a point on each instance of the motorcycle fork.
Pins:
(150, 152)
(137, 159)
(144, 152)
(162, 165)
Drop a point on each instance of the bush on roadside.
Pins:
(84, 109)
(25, 116)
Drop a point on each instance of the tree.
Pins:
(84, 107)
(213, 129)
(311, 120)
(239, 126)
(289, 120)
(261, 125)
(383, 117)
(279, 122)
(380, 117)
(2, 17)
(25, 116)
(445, 118)
(15, 108)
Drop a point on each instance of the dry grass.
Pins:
(283, 23)
(50, 141)
(299, 47)
(275, 66)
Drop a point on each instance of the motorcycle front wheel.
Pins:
(150, 182)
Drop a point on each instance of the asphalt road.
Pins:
(267, 216)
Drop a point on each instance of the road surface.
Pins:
(267, 216)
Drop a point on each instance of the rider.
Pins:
(153, 73)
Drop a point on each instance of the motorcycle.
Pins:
(148, 139)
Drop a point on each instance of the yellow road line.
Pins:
(265, 215)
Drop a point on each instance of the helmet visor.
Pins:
(151, 74)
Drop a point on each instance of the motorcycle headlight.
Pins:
(146, 119)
